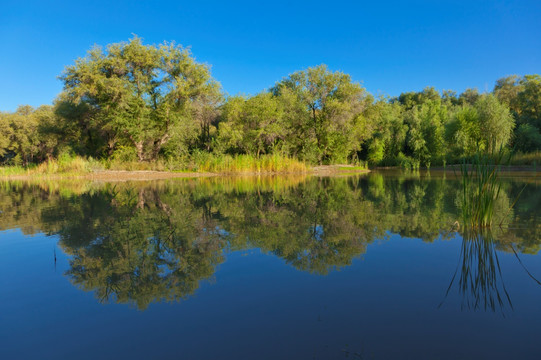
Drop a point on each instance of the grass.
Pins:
(67, 165)
(64, 165)
(356, 167)
(532, 159)
(205, 162)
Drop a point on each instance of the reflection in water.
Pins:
(480, 280)
(139, 243)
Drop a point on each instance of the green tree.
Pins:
(463, 132)
(253, 126)
(529, 101)
(143, 94)
(527, 138)
(388, 132)
(469, 97)
(495, 121)
(507, 89)
(332, 104)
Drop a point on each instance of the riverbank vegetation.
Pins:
(153, 107)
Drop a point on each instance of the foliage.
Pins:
(140, 95)
(332, 105)
(133, 103)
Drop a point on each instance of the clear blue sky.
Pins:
(390, 47)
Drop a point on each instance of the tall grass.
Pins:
(533, 159)
(64, 165)
(205, 162)
(198, 162)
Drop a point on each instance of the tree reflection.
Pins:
(139, 243)
(144, 250)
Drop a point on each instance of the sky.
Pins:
(388, 46)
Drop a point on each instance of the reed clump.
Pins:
(481, 186)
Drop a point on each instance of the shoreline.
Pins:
(142, 175)
(319, 170)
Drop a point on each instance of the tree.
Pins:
(507, 89)
(469, 97)
(253, 126)
(529, 101)
(140, 93)
(495, 121)
(411, 99)
(332, 102)
(5, 134)
(527, 138)
(463, 132)
(388, 131)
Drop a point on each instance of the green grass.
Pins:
(348, 168)
(205, 162)
(533, 159)
(64, 165)
(200, 162)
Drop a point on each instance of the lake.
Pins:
(372, 266)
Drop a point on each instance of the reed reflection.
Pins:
(478, 276)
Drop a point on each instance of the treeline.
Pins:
(135, 102)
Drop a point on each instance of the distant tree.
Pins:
(469, 97)
(449, 98)
(529, 101)
(411, 99)
(5, 134)
(527, 138)
(507, 90)
(140, 93)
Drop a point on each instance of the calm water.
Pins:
(360, 267)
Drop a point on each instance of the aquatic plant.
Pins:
(481, 186)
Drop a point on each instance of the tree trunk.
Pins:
(158, 146)
(139, 148)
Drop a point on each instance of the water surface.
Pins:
(362, 267)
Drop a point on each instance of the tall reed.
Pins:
(481, 186)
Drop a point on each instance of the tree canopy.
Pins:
(140, 94)
(135, 102)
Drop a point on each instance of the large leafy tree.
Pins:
(332, 104)
(140, 94)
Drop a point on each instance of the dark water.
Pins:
(368, 267)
